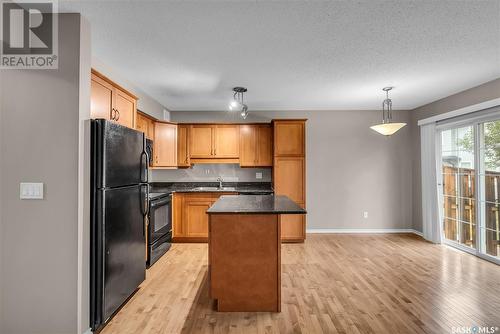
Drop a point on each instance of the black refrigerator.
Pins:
(119, 202)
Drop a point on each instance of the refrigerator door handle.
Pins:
(144, 167)
(145, 199)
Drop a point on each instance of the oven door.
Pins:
(160, 218)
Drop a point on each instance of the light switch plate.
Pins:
(258, 175)
(31, 190)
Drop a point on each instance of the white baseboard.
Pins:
(362, 230)
(88, 331)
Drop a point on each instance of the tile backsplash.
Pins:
(210, 173)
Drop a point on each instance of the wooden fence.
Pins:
(460, 207)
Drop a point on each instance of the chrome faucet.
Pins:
(219, 179)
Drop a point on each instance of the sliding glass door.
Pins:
(458, 180)
(470, 186)
(489, 199)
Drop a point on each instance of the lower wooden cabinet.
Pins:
(190, 221)
(293, 227)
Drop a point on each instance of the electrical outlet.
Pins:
(365, 214)
(31, 190)
(258, 175)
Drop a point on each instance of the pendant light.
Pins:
(237, 104)
(387, 128)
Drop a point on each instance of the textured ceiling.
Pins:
(296, 55)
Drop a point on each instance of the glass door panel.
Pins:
(458, 162)
(489, 199)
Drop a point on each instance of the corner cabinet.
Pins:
(289, 174)
(109, 101)
(183, 146)
(145, 124)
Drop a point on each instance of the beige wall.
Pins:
(484, 92)
(350, 168)
(40, 142)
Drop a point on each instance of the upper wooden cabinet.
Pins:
(289, 138)
(165, 145)
(256, 145)
(145, 124)
(183, 145)
(101, 100)
(227, 141)
(201, 140)
(214, 141)
(110, 101)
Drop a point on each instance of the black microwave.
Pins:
(149, 151)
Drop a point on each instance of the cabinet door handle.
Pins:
(118, 115)
(113, 114)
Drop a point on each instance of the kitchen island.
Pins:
(245, 251)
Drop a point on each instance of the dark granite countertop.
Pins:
(255, 204)
(190, 187)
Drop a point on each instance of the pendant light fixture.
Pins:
(238, 104)
(387, 128)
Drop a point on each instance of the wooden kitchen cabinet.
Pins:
(183, 145)
(165, 145)
(227, 139)
(289, 174)
(289, 138)
(289, 178)
(190, 220)
(194, 215)
(256, 145)
(125, 108)
(201, 140)
(145, 124)
(214, 141)
(109, 101)
(101, 101)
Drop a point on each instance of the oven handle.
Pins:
(161, 201)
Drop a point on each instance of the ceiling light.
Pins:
(387, 128)
(237, 104)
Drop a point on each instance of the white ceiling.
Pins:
(296, 55)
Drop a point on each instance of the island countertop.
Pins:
(255, 204)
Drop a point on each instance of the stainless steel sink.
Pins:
(215, 189)
(206, 188)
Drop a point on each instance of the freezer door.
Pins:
(124, 246)
(119, 156)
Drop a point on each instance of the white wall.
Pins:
(350, 168)
(145, 103)
(40, 142)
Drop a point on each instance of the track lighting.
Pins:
(238, 103)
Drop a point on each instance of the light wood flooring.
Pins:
(338, 283)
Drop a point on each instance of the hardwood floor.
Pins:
(330, 284)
